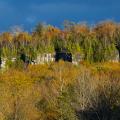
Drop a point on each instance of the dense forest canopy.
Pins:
(60, 90)
(97, 43)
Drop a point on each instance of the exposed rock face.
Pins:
(3, 62)
(40, 59)
(51, 57)
(115, 58)
(44, 58)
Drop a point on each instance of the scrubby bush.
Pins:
(61, 91)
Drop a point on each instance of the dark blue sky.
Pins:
(27, 13)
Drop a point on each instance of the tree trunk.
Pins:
(118, 48)
(0, 62)
(119, 54)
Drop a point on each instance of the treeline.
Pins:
(98, 43)
(61, 91)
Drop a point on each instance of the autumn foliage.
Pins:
(61, 91)
(98, 43)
